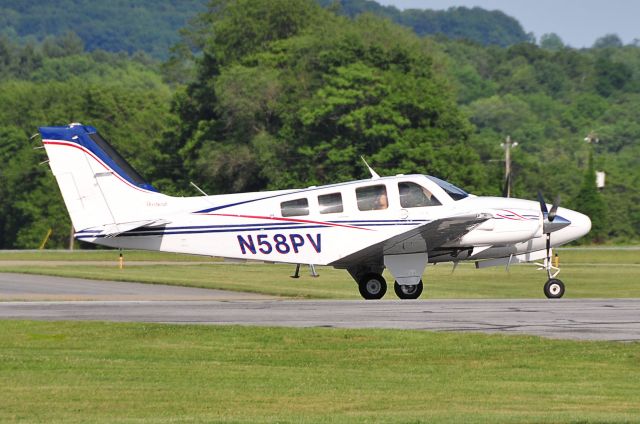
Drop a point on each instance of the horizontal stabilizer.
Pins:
(114, 230)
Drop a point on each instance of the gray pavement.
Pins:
(581, 319)
(44, 287)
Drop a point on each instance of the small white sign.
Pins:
(600, 175)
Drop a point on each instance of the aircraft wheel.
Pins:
(554, 288)
(372, 286)
(408, 292)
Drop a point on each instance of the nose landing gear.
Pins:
(554, 288)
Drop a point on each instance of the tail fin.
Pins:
(99, 187)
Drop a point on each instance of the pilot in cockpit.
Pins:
(413, 195)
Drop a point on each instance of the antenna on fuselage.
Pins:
(198, 188)
(374, 174)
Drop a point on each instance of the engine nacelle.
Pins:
(506, 227)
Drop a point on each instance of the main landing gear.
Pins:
(373, 286)
(408, 291)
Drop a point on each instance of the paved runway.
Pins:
(44, 287)
(584, 319)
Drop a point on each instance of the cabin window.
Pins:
(413, 195)
(372, 198)
(297, 207)
(330, 203)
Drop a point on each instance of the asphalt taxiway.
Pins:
(40, 298)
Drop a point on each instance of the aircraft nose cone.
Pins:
(580, 223)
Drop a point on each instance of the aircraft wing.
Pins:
(423, 238)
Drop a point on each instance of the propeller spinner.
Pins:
(551, 221)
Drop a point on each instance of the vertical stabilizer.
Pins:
(98, 186)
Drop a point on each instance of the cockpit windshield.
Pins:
(456, 193)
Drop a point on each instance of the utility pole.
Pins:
(592, 138)
(507, 145)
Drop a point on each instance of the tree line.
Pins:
(263, 94)
(153, 26)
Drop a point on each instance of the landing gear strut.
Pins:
(553, 288)
(408, 291)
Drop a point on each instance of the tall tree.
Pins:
(304, 93)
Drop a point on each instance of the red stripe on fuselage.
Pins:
(519, 216)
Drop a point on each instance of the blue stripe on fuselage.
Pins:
(203, 229)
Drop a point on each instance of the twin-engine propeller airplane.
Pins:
(400, 223)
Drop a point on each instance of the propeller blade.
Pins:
(554, 209)
(543, 204)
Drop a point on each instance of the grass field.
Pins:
(77, 372)
(139, 373)
(99, 255)
(608, 273)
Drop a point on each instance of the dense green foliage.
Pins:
(123, 96)
(116, 25)
(152, 26)
(477, 24)
(549, 101)
(307, 93)
(278, 94)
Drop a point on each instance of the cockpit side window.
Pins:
(456, 193)
(372, 198)
(297, 207)
(413, 195)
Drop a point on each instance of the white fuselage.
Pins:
(255, 225)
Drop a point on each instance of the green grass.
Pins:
(586, 273)
(139, 373)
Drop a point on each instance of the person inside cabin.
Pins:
(427, 195)
(413, 195)
(382, 202)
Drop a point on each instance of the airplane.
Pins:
(400, 222)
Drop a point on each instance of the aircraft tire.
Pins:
(554, 288)
(372, 286)
(408, 292)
